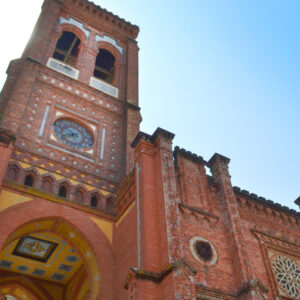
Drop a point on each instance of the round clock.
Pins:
(73, 134)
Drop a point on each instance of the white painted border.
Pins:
(44, 121)
(104, 87)
(102, 143)
(63, 65)
(195, 254)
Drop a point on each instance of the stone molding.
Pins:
(132, 106)
(254, 286)
(199, 213)
(59, 200)
(281, 245)
(275, 242)
(158, 277)
(152, 138)
(6, 137)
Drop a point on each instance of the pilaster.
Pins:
(41, 46)
(24, 72)
(133, 116)
(87, 58)
(231, 218)
(133, 120)
(152, 193)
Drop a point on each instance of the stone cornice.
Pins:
(219, 157)
(162, 132)
(152, 138)
(6, 137)
(33, 60)
(276, 242)
(132, 106)
(212, 294)
(52, 197)
(141, 135)
(158, 277)
(198, 213)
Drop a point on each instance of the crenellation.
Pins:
(264, 201)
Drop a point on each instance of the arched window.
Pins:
(105, 66)
(67, 48)
(29, 179)
(94, 201)
(79, 196)
(63, 191)
(47, 184)
(12, 173)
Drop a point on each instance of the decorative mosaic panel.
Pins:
(65, 268)
(5, 264)
(39, 272)
(34, 248)
(23, 268)
(71, 258)
(58, 276)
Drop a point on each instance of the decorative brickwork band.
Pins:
(254, 287)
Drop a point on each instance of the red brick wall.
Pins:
(28, 80)
(125, 252)
(176, 200)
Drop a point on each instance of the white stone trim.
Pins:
(75, 23)
(60, 67)
(104, 87)
(42, 128)
(102, 143)
(109, 40)
(195, 254)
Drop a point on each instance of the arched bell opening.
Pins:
(105, 66)
(53, 258)
(67, 48)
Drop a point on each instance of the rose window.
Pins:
(287, 273)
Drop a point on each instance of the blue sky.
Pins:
(222, 75)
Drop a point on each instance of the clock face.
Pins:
(73, 134)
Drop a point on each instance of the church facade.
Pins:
(92, 208)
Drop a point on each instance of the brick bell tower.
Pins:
(70, 103)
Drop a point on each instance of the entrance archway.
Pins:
(67, 251)
(53, 255)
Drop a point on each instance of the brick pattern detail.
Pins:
(31, 87)
(194, 184)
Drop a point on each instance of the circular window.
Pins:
(73, 134)
(203, 251)
(287, 273)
